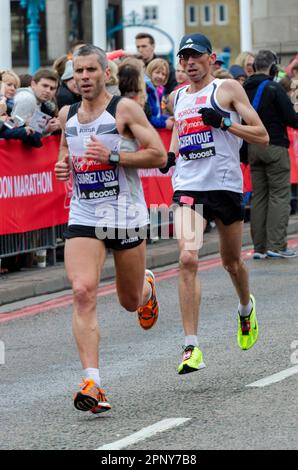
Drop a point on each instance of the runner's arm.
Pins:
(152, 153)
(254, 132)
(174, 146)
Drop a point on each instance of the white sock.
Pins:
(244, 310)
(191, 340)
(92, 374)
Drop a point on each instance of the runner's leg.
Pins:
(84, 259)
(230, 250)
(189, 242)
(189, 227)
(132, 287)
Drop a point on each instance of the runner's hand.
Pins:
(211, 117)
(62, 169)
(97, 151)
(170, 123)
(171, 162)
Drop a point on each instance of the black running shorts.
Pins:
(224, 205)
(125, 242)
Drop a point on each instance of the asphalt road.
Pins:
(138, 371)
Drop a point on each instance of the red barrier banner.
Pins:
(30, 196)
(157, 187)
(293, 151)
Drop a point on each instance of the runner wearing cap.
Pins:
(208, 136)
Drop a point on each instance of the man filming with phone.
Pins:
(36, 102)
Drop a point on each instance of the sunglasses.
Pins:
(193, 54)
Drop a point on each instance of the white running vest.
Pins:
(104, 195)
(208, 157)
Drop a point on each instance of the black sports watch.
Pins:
(226, 124)
(114, 158)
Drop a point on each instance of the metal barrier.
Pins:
(44, 239)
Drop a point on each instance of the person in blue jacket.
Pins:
(157, 73)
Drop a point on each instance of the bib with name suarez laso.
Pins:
(95, 180)
(196, 140)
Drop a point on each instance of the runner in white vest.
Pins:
(99, 145)
(207, 137)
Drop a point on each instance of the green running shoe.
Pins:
(192, 360)
(248, 329)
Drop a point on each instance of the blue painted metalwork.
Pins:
(34, 7)
(133, 20)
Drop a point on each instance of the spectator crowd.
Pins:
(29, 105)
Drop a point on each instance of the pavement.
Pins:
(33, 282)
(138, 368)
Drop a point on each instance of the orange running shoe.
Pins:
(148, 314)
(102, 403)
(91, 398)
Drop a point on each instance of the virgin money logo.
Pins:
(83, 164)
(190, 126)
(182, 127)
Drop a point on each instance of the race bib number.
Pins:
(196, 139)
(94, 180)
